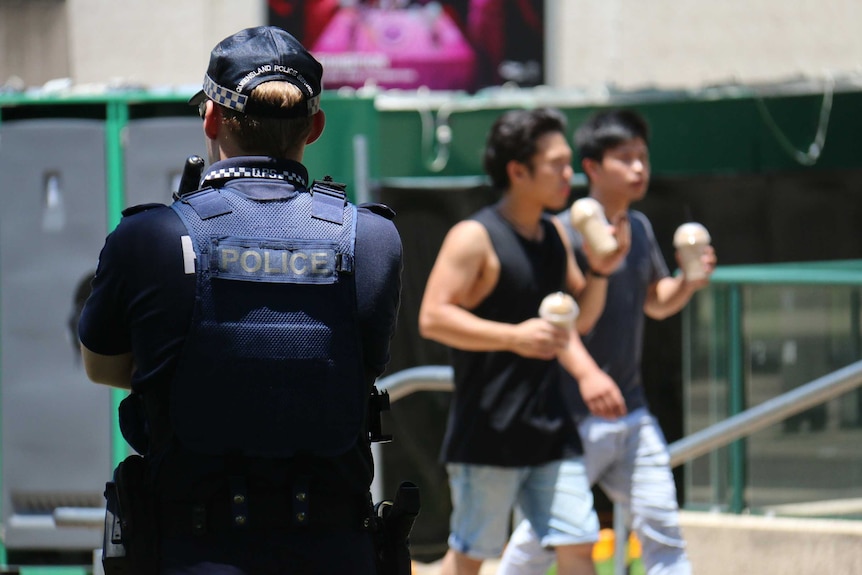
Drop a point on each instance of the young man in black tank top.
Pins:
(509, 441)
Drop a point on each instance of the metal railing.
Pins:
(422, 378)
(767, 413)
(820, 390)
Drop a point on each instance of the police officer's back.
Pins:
(250, 319)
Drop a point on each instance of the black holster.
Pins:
(395, 522)
(130, 544)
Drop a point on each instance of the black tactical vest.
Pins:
(272, 364)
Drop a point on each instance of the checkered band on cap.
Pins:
(313, 105)
(223, 96)
(240, 102)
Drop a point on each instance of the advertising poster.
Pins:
(442, 45)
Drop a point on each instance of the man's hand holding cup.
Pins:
(605, 243)
(694, 253)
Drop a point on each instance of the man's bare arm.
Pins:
(464, 274)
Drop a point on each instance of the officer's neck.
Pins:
(224, 148)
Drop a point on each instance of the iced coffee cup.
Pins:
(560, 309)
(588, 217)
(690, 240)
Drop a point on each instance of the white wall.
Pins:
(33, 42)
(694, 43)
(154, 42)
(629, 43)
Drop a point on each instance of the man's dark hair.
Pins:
(608, 129)
(513, 137)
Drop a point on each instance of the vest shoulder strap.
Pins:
(207, 203)
(327, 200)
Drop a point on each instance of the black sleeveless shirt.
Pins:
(507, 410)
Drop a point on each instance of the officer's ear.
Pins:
(212, 120)
(318, 121)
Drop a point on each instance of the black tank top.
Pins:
(507, 410)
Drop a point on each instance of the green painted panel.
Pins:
(792, 123)
(408, 147)
(334, 152)
(689, 135)
(701, 136)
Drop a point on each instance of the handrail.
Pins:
(423, 378)
(767, 413)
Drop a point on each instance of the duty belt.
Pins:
(264, 511)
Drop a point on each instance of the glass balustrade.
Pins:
(755, 333)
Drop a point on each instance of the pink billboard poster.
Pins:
(405, 44)
(405, 48)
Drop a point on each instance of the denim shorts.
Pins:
(628, 458)
(555, 497)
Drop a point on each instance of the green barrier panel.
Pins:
(721, 134)
(347, 150)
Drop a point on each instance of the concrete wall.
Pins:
(693, 43)
(720, 544)
(148, 42)
(33, 42)
(749, 545)
(629, 43)
(154, 42)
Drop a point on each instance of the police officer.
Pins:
(250, 320)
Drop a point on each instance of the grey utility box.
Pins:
(56, 425)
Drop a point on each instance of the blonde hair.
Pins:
(276, 137)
